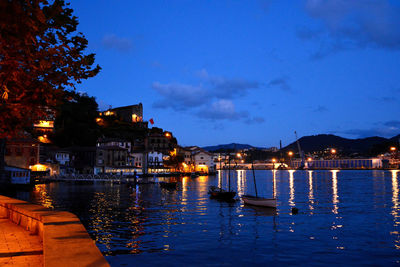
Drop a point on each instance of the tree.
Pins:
(75, 123)
(41, 55)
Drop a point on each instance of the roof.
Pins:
(22, 140)
(112, 148)
(10, 168)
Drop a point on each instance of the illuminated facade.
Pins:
(160, 141)
(132, 113)
(22, 153)
(372, 163)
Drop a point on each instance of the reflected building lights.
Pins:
(335, 197)
(395, 209)
(185, 190)
(45, 200)
(291, 187)
(219, 178)
(310, 191)
(241, 178)
(274, 183)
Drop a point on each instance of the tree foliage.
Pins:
(75, 123)
(41, 54)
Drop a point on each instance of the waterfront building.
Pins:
(203, 161)
(16, 175)
(83, 159)
(22, 153)
(370, 163)
(160, 141)
(138, 159)
(132, 113)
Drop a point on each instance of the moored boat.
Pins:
(219, 193)
(259, 201)
(168, 185)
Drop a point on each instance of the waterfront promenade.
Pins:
(31, 235)
(19, 247)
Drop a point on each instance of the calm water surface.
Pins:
(345, 217)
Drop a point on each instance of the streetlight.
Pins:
(392, 148)
(333, 153)
(273, 163)
(290, 153)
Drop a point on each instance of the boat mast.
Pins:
(273, 182)
(254, 177)
(229, 173)
(300, 151)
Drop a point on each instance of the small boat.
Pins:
(194, 175)
(259, 201)
(168, 185)
(219, 193)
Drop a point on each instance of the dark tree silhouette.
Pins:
(41, 55)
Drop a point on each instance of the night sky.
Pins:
(216, 72)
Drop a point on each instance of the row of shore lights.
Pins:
(290, 153)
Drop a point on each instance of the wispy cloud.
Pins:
(383, 129)
(320, 109)
(222, 87)
(282, 83)
(180, 96)
(254, 120)
(212, 98)
(112, 41)
(393, 123)
(353, 24)
(222, 109)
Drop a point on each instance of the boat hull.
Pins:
(168, 185)
(259, 201)
(221, 194)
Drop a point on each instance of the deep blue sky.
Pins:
(251, 72)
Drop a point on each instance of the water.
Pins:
(344, 217)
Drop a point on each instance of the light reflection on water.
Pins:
(344, 216)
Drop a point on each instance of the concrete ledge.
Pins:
(65, 240)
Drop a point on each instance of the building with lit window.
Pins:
(22, 153)
(132, 113)
(371, 163)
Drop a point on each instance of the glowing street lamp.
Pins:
(333, 151)
(273, 163)
(392, 148)
(290, 153)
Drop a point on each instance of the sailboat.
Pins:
(221, 194)
(260, 201)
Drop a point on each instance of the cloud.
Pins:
(384, 129)
(111, 41)
(210, 88)
(353, 24)
(281, 83)
(320, 109)
(393, 123)
(388, 99)
(180, 96)
(222, 109)
(155, 64)
(222, 87)
(254, 120)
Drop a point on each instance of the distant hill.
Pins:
(363, 146)
(227, 146)
(346, 146)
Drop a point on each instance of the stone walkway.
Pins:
(19, 247)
